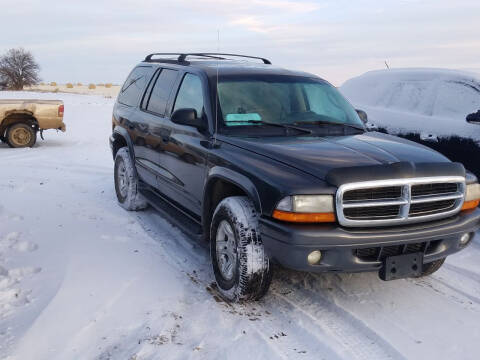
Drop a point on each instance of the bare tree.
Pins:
(19, 68)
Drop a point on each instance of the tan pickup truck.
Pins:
(20, 120)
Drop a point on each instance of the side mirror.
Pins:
(474, 118)
(188, 117)
(362, 115)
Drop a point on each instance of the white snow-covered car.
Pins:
(434, 107)
(431, 102)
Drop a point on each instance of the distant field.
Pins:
(109, 92)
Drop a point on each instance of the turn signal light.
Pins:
(304, 217)
(468, 205)
(60, 110)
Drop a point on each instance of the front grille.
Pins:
(431, 207)
(389, 192)
(434, 189)
(380, 253)
(390, 202)
(372, 212)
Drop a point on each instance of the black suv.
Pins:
(275, 166)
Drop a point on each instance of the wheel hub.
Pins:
(226, 250)
(21, 137)
(122, 179)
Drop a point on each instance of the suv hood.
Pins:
(319, 155)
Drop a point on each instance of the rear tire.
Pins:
(430, 268)
(21, 135)
(242, 269)
(126, 182)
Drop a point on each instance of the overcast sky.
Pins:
(100, 41)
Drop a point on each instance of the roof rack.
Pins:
(217, 56)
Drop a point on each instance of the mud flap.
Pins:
(401, 266)
(41, 134)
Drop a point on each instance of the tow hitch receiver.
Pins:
(401, 266)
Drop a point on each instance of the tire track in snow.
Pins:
(464, 272)
(456, 295)
(296, 342)
(472, 298)
(296, 339)
(289, 339)
(353, 335)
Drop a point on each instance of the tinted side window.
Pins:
(190, 94)
(133, 87)
(161, 91)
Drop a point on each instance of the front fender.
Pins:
(243, 182)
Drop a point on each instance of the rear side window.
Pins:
(133, 87)
(161, 91)
(190, 94)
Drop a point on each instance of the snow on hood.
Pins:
(434, 101)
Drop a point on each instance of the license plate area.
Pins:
(401, 266)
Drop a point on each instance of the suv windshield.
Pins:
(259, 100)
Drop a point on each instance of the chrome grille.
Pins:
(390, 202)
(372, 211)
(429, 189)
(389, 192)
(431, 207)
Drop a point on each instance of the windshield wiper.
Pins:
(285, 126)
(324, 122)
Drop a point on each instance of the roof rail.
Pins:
(218, 56)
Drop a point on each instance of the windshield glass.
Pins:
(282, 100)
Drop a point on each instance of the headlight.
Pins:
(305, 208)
(472, 196)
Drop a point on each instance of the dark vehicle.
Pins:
(474, 118)
(275, 166)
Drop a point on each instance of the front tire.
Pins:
(21, 135)
(242, 269)
(430, 268)
(126, 182)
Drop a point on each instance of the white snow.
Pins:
(432, 101)
(81, 278)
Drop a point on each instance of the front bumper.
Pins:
(289, 244)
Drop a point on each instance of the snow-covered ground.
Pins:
(80, 278)
(429, 101)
